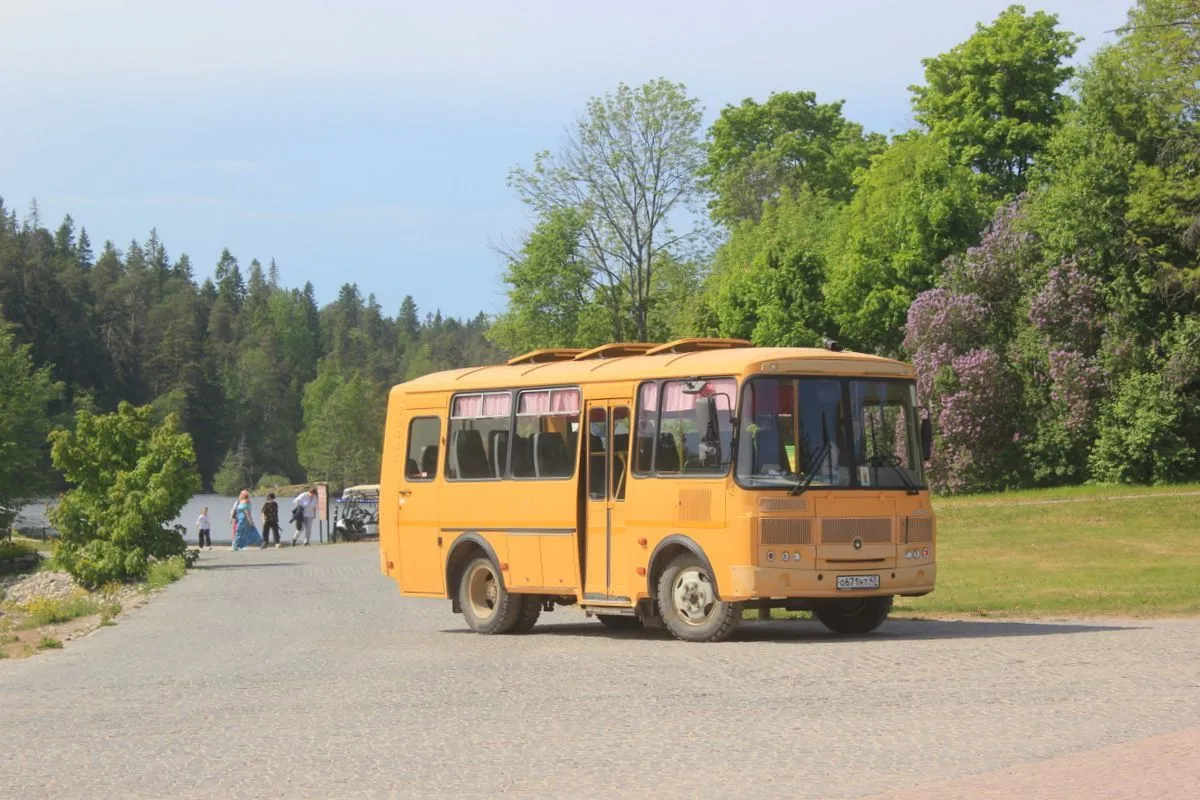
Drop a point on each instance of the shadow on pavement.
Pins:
(811, 631)
(249, 565)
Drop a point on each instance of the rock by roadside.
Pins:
(21, 589)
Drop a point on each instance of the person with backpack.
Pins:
(306, 502)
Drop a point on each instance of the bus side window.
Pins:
(620, 448)
(421, 463)
(647, 428)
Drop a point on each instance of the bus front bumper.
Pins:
(748, 582)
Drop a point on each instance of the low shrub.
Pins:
(52, 610)
(166, 572)
(49, 643)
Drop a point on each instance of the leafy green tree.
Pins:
(758, 152)
(913, 208)
(627, 165)
(129, 478)
(550, 290)
(26, 394)
(766, 283)
(343, 428)
(995, 99)
(236, 471)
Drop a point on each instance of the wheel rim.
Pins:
(482, 591)
(693, 596)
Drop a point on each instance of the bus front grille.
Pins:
(918, 529)
(785, 531)
(844, 531)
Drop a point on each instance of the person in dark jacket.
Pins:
(270, 518)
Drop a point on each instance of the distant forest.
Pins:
(267, 382)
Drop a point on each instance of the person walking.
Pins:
(245, 534)
(307, 501)
(204, 529)
(270, 518)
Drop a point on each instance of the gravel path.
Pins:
(301, 673)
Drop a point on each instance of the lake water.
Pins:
(34, 516)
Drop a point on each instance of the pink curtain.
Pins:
(476, 406)
(534, 403)
(497, 405)
(549, 401)
(468, 405)
(564, 401)
(675, 399)
(649, 397)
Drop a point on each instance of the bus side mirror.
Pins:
(926, 438)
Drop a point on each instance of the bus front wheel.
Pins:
(856, 616)
(486, 605)
(687, 600)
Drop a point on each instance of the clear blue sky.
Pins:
(369, 141)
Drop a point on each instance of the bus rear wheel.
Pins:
(486, 605)
(854, 616)
(687, 600)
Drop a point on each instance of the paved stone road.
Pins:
(301, 673)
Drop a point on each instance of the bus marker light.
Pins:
(642, 541)
(770, 555)
(641, 570)
(504, 566)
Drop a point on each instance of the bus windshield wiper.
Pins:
(894, 463)
(810, 471)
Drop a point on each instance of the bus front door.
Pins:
(606, 551)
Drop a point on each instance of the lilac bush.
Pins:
(994, 269)
(1076, 382)
(976, 420)
(1068, 310)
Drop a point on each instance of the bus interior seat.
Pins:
(522, 462)
(596, 460)
(429, 458)
(412, 469)
(667, 459)
(471, 459)
(498, 452)
(550, 455)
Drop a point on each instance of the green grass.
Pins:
(164, 573)
(51, 611)
(49, 643)
(1030, 553)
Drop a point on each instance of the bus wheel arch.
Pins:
(462, 552)
(665, 552)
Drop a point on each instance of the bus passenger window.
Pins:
(421, 464)
(696, 427)
(597, 452)
(478, 446)
(620, 448)
(647, 426)
(543, 444)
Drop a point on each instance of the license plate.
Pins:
(857, 582)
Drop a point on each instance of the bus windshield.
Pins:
(829, 432)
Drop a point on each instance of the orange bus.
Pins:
(677, 484)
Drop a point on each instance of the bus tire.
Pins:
(688, 603)
(619, 622)
(486, 605)
(854, 616)
(531, 609)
